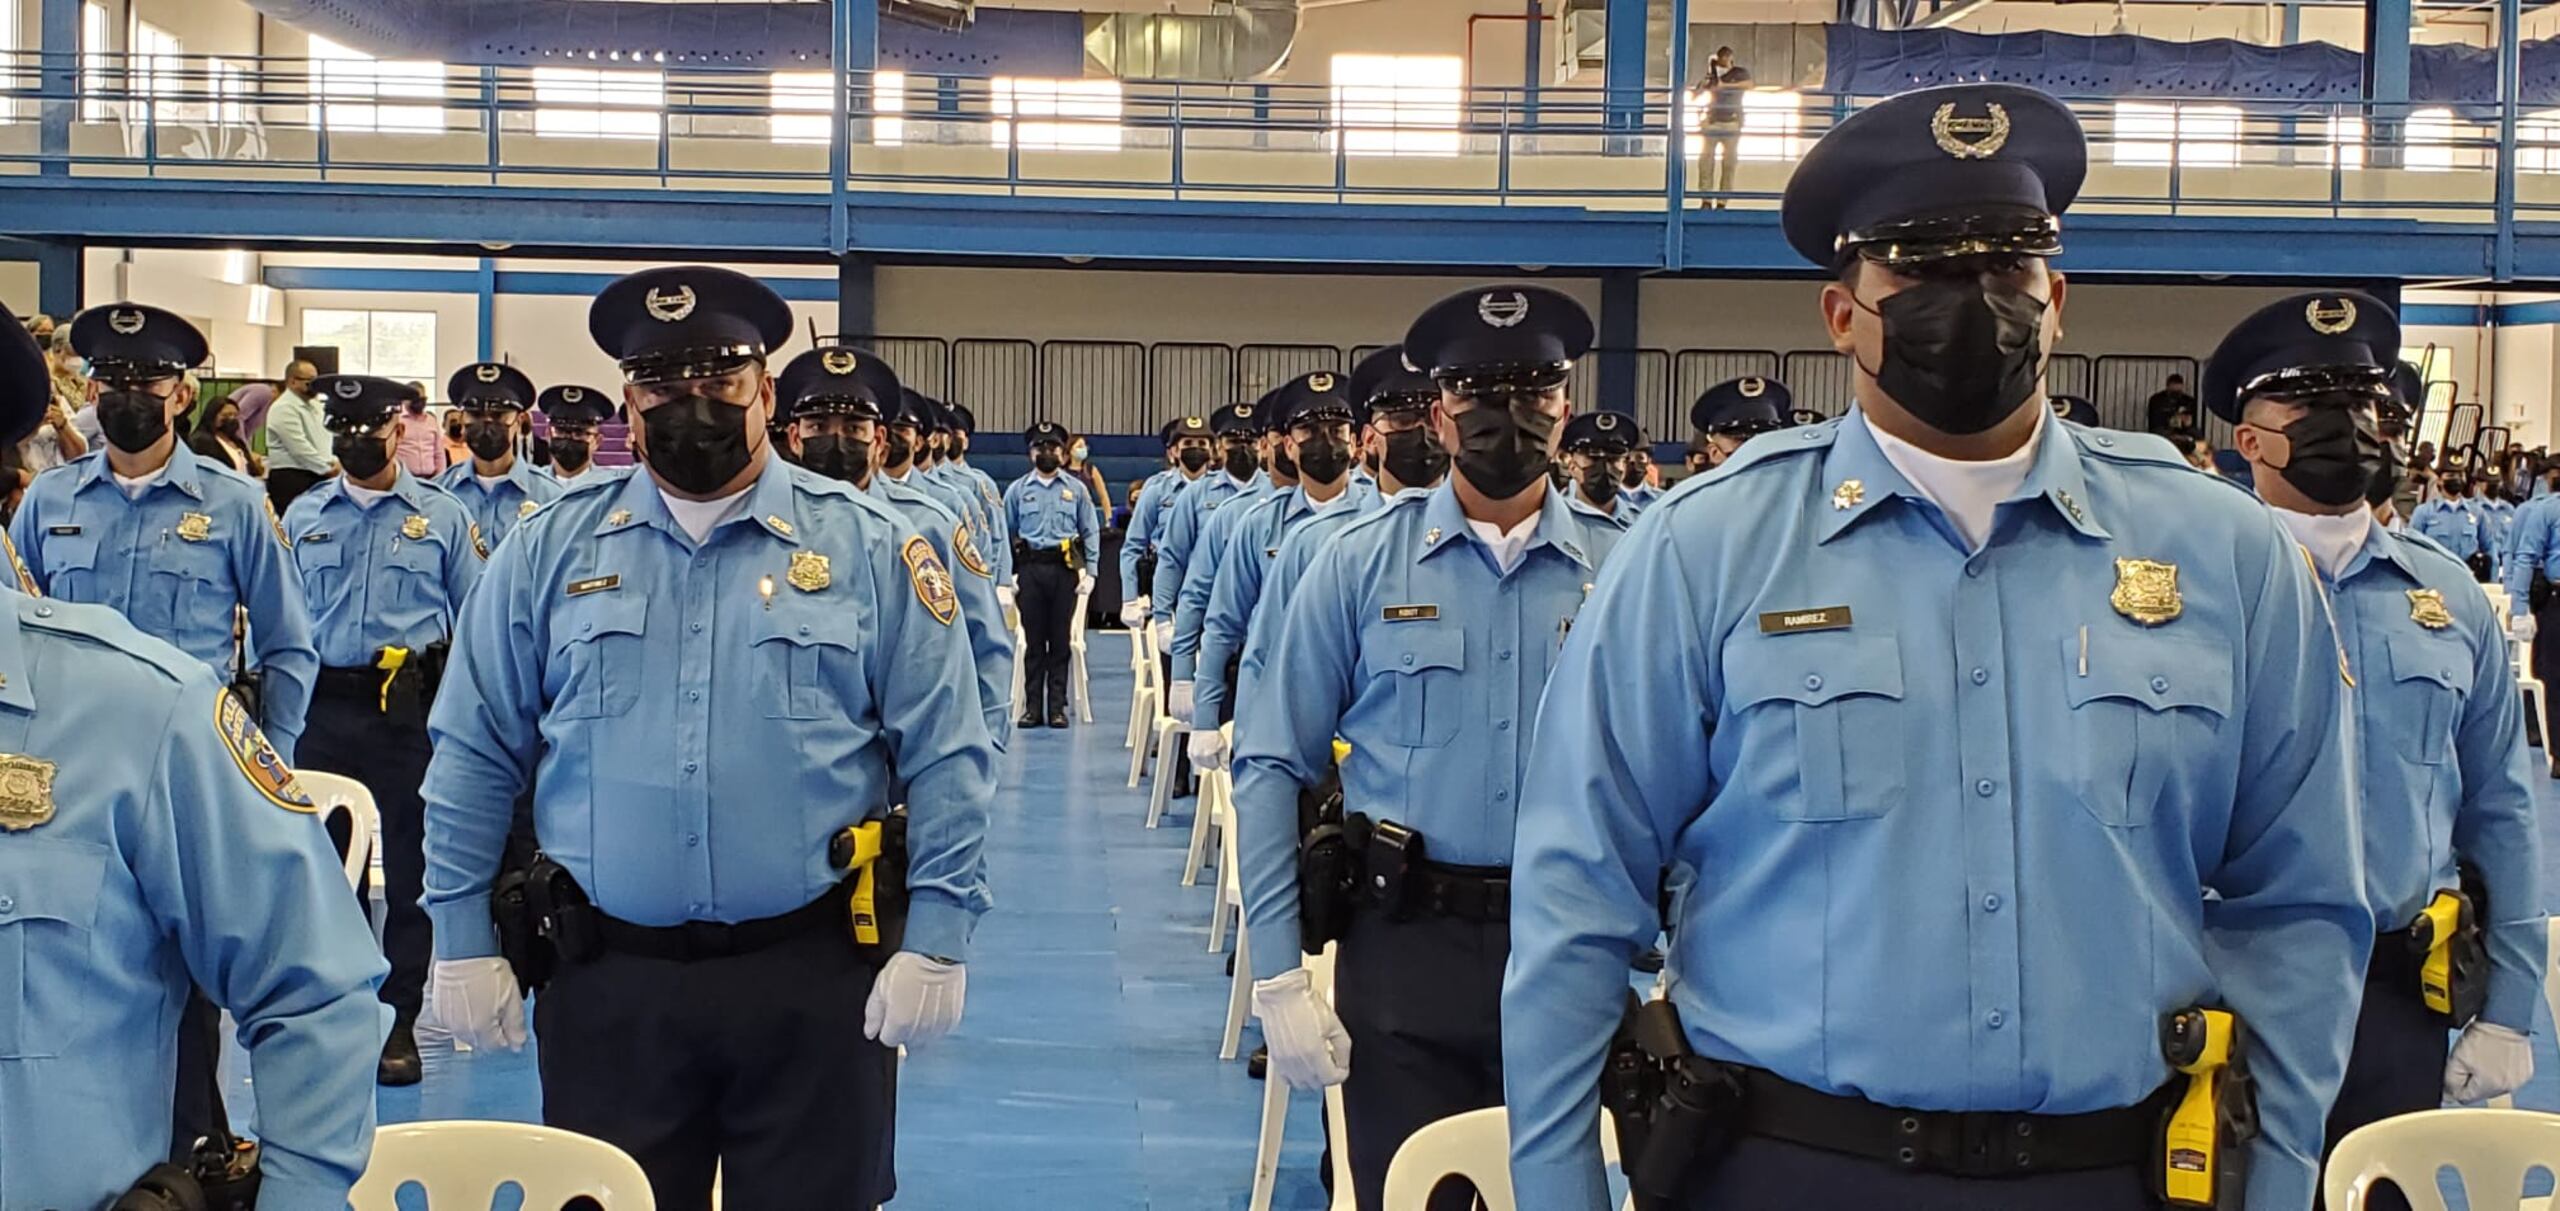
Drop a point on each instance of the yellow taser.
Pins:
(862, 848)
(392, 661)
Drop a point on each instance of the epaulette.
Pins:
(106, 626)
(1778, 445)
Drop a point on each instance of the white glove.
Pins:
(1004, 596)
(1208, 748)
(2488, 1061)
(1133, 613)
(1309, 1048)
(1178, 703)
(2521, 628)
(1084, 584)
(915, 1001)
(478, 1003)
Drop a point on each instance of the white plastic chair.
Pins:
(1142, 694)
(1170, 735)
(461, 1165)
(1021, 651)
(1475, 1146)
(337, 793)
(1275, 1116)
(1209, 813)
(2492, 1150)
(1079, 690)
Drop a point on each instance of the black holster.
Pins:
(520, 940)
(164, 1188)
(250, 687)
(2538, 593)
(567, 927)
(1328, 865)
(890, 895)
(221, 1175)
(1147, 574)
(1676, 1110)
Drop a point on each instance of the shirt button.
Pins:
(1503, 726)
(1994, 1019)
(2159, 685)
(693, 838)
(697, 909)
(1981, 676)
(1991, 902)
(2105, 440)
(697, 628)
(1813, 682)
(1408, 659)
(7, 904)
(1502, 794)
(1506, 654)
(693, 695)
(689, 767)
(1973, 571)
(1982, 788)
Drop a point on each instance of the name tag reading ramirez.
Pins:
(1789, 622)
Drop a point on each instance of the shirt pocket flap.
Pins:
(805, 628)
(588, 619)
(1811, 670)
(2418, 658)
(2152, 671)
(50, 881)
(1408, 648)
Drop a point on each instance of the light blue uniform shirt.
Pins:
(2533, 545)
(1921, 851)
(2449, 525)
(1405, 640)
(1048, 515)
(1181, 533)
(956, 500)
(958, 494)
(171, 857)
(2440, 735)
(692, 743)
(1200, 573)
(1252, 543)
(1146, 525)
(497, 508)
(1280, 583)
(2499, 520)
(990, 641)
(995, 546)
(175, 562)
(1641, 495)
(392, 574)
(566, 482)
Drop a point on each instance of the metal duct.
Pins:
(1237, 40)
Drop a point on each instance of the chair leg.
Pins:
(1266, 1152)
(1239, 1001)
(1166, 738)
(1201, 823)
(1138, 741)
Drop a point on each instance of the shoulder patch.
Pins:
(478, 544)
(26, 579)
(932, 583)
(964, 547)
(268, 503)
(258, 760)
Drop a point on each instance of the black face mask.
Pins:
(1045, 461)
(1632, 474)
(1960, 353)
(697, 444)
(896, 451)
(132, 420)
(228, 426)
(1599, 487)
(1194, 460)
(1241, 462)
(570, 453)
(489, 442)
(1502, 444)
(1283, 466)
(1415, 458)
(1324, 460)
(2335, 454)
(360, 457)
(836, 457)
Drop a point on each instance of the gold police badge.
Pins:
(414, 526)
(809, 572)
(527, 509)
(26, 792)
(195, 527)
(932, 583)
(2426, 608)
(2147, 591)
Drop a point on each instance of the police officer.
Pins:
(1186, 456)
(1731, 413)
(577, 416)
(1596, 444)
(1322, 433)
(833, 396)
(2439, 726)
(718, 664)
(1056, 539)
(150, 835)
(1421, 635)
(913, 458)
(2449, 522)
(1239, 445)
(497, 487)
(2531, 567)
(385, 560)
(988, 499)
(2074, 409)
(1990, 743)
(1216, 519)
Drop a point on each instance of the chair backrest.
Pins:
(1475, 1146)
(2491, 1149)
(338, 794)
(461, 1165)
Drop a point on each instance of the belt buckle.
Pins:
(711, 939)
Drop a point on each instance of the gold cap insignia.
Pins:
(1605, 421)
(809, 572)
(527, 509)
(1970, 138)
(1751, 388)
(487, 372)
(26, 792)
(619, 517)
(2147, 591)
(933, 584)
(414, 526)
(668, 306)
(837, 361)
(1320, 382)
(1502, 310)
(572, 394)
(1848, 494)
(195, 527)
(125, 322)
(2426, 608)
(257, 759)
(2331, 317)
(349, 388)
(964, 547)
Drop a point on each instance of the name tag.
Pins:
(595, 584)
(1789, 622)
(62, 531)
(1409, 613)
(314, 536)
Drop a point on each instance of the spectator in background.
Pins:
(456, 450)
(219, 439)
(40, 326)
(254, 398)
(1725, 83)
(57, 440)
(420, 446)
(2198, 451)
(298, 443)
(2172, 410)
(1084, 472)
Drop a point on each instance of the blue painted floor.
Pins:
(1085, 1074)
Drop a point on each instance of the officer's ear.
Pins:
(2053, 308)
(1840, 308)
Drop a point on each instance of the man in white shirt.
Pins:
(297, 440)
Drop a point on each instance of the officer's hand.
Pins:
(2521, 628)
(1208, 748)
(1178, 702)
(915, 1001)
(1133, 613)
(2488, 1061)
(1084, 584)
(478, 1003)
(1309, 1047)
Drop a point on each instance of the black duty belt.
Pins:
(1972, 1144)
(694, 941)
(1024, 552)
(1469, 893)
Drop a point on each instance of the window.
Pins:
(1072, 114)
(353, 86)
(799, 100)
(95, 78)
(2435, 369)
(585, 103)
(158, 71)
(2346, 143)
(2149, 133)
(1772, 125)
(1398, 105)
(393, 344)
(2430, 138)
(2538, 141)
